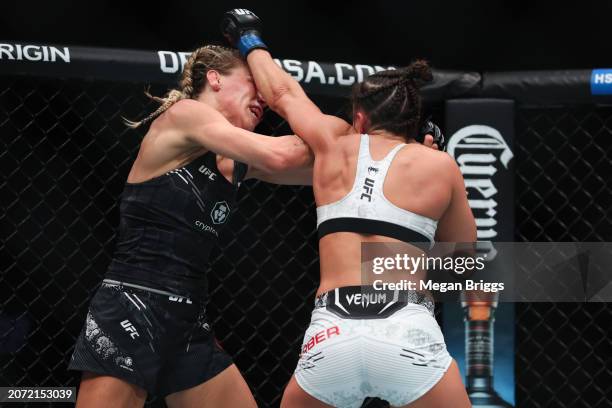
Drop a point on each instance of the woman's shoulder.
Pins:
(190, 110)
(429, 153)
(187, 106)
(430, 159)
(347, 142)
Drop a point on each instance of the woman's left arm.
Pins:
(286, 97)
(281, 92)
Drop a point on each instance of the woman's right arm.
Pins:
(200, 125)
(457, 224)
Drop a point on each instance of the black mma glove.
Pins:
(242, 29)
(430, 128)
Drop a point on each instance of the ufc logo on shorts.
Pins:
(179, 299)
(368, 185)
(129, 327)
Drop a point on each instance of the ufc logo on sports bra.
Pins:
(368, 185)
(207, 172)
(129, 327)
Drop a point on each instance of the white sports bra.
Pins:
(366, 210)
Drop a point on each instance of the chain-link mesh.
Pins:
(65, 156)
(564, 193)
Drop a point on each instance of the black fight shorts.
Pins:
(160, 343)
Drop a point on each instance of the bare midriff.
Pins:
(341, 261)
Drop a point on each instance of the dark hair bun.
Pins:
(419, 71)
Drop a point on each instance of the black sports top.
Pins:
(169, 225)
